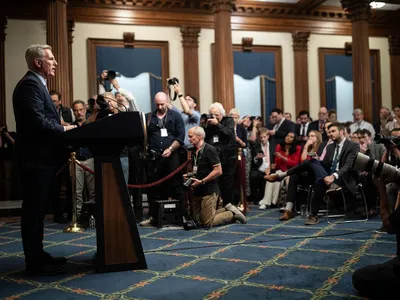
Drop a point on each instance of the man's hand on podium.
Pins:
(69, 127)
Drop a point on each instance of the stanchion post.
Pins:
(74, 226)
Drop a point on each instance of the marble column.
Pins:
(394, 50)
(359, 12)
(71, 27)
(2, 72)
(57, 38)
(190, 43)
(223, 56)
(300, 51)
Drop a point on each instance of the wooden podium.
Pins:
(118, 242)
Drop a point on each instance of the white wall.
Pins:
(334, 41)
(20, 34)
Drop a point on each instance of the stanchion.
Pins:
(74, 226)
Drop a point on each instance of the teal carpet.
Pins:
(264, 259)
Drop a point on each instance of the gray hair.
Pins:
(358, 111)
(198, 130)
(218, 106)
(35, 51)
(234, 111)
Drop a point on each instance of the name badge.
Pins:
(164, 132)
(215, 139)
(195, 169)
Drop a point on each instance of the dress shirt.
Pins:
(303, 129)
(363, 125)
(340, 151)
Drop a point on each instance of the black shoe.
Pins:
(44, 270)
(56, 261)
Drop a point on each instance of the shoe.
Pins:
(312, 220)
(44, 270)
(287, 215)
(262, 206)
(147, 222)
(333, 188)
(382, 230)
(53, 260)
(237, 215)
(273, 177)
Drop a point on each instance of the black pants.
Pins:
(257, 185)
(305, 179)
(173, 187)
(36, 184)
(370, 190)
(59, 207)
(136, 176)
(226, 181)
(379, 281)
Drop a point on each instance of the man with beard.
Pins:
(166, 134)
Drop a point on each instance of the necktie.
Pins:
(321, 126)
(335, 160)
(303, 127)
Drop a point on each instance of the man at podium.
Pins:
(166, 134)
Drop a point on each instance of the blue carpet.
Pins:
(264, 259)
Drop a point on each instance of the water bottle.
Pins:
(92, 222)
(304, 211)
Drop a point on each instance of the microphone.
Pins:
(113, 100)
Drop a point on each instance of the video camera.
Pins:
(387, 140)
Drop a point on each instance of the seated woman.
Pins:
(287, 155)
(312, 150)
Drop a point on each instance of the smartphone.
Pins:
(312, 154)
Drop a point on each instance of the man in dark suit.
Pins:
(39, 132)
(281, 128)
(320, 123)
(302, 129)
(337, 164)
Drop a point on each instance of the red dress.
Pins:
(292, 159)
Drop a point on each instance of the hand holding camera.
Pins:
(212, 120)
(260, 155)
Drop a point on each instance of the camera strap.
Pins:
(196, 158)
(170, 93)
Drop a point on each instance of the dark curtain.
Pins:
(155, 87)
(268, 95)
(330, 89)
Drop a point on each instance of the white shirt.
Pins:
(40, 77)
(363, 125)
(304, 128)
(276, 127)
(341, 144)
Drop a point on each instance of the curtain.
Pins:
(330, 91)
(155, 87)
(268, 95)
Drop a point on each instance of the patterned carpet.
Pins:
(264, 259)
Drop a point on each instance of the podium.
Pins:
(118, 242)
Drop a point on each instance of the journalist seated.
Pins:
(203, 180)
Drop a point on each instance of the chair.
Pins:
(359, 193)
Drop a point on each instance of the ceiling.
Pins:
(390, 4)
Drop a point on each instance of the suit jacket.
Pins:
(314, 125)
(39, 130)
(298, 129)
(346, 159)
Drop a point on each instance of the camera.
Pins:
(112, 74)
(172, 81)
(189, 224)
(387, 140)
(254, 118)
(188, 182)
(364, 163)
(154, 154)
(210, 117)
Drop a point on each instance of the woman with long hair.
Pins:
(287, 155)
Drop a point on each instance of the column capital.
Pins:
(357, 9)
(3, 30)
(300, 40)
(71, 29)
(190, 36)
(394, 45)
(62, 1)
(222, 5)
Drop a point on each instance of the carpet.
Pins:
(264, 259)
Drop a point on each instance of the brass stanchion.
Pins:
(74, 226)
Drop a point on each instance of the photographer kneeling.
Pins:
(206, 169)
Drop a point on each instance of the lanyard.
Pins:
(162, 122)
(199, 155)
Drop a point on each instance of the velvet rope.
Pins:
(146, 185)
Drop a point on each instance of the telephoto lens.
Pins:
(386, 172)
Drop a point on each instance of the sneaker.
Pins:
(147, 222)
(237, 215)
(262, 206)
(287, 215)
(312, 220)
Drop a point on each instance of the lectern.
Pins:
(118, 242)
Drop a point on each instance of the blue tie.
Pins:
(335, 160)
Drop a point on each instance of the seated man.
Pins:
(381, 281)
(333, 172)
(206, 169)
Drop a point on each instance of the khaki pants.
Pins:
(83, 177)
(204, 211)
